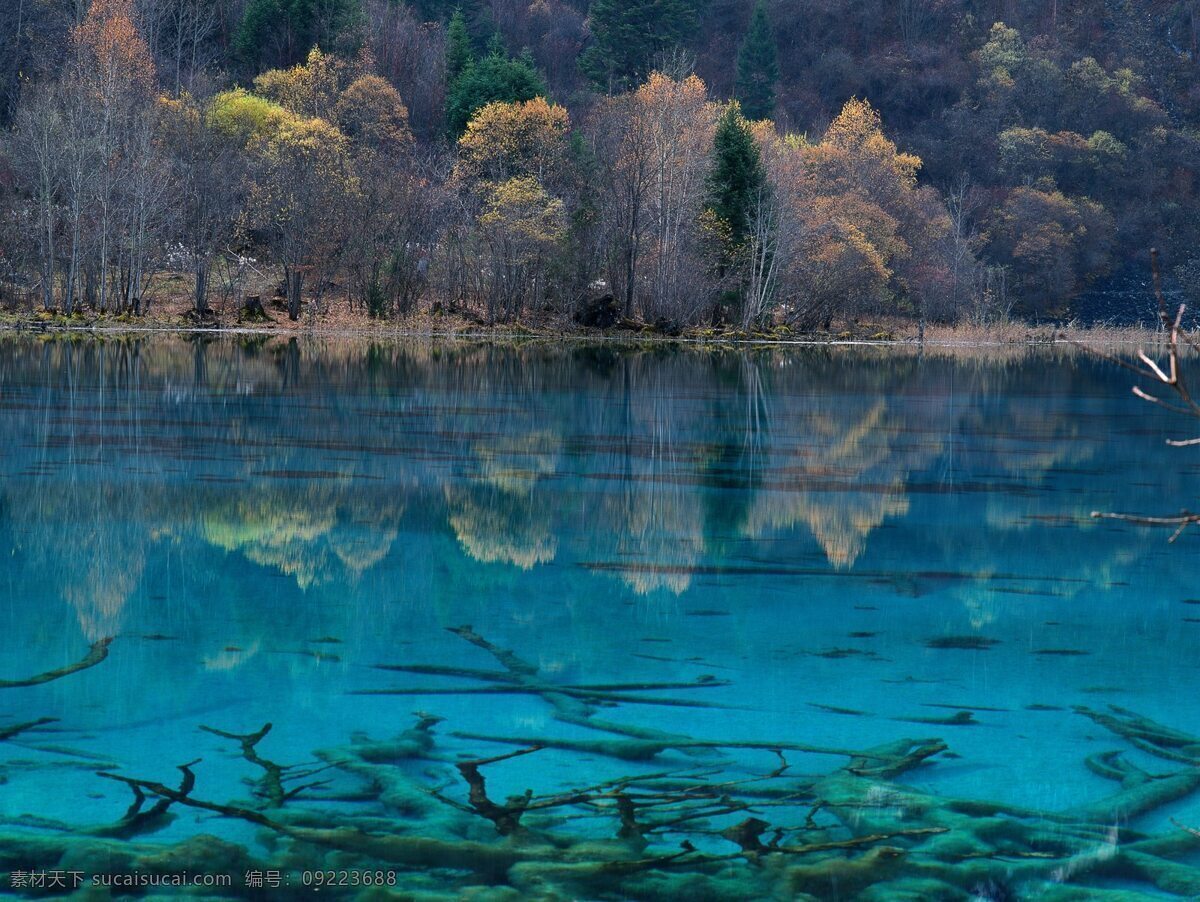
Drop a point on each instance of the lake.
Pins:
(767, 623)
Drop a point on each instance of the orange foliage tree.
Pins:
(1053, 243)
(113, 80)
(848, 201)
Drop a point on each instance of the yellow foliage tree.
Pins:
(855, 155)
(508, 140)
(303, 180)
(365, 107)
(372, 115)
(521, 225)
(308, 89)
(245, 116)
(113, 108)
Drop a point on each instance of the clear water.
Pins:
(800, 541)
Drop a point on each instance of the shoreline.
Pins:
(1009, 335)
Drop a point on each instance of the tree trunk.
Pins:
(72, 269)
(48, 252)
(200, 295)
(629, 276)
(295, 284)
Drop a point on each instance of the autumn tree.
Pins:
(847, 203)
(111, 83)
(372, 114)
(1055, 244)
(506, 140)
(522, 225)
(308, 89)
(758, 66)
(683, 121)
(395, 218)
(1050, 119)
(246, 116)
(208, 173)
(332, 147)
(513, 158)
(623, 142)
(653, 148)
(966, 292)
(301, 180)
(40, 155)
(392, 212)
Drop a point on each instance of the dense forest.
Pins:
(750, 163)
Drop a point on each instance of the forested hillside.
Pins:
(741, 162)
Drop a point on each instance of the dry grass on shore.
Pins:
(338, 318)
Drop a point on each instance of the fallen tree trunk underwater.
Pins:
(698, 828)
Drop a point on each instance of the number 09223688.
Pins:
(348, 878)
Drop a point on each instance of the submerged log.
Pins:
(97, 653)
(855, 831)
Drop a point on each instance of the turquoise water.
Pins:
(671, 562)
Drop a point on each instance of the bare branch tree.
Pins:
(1171, 378)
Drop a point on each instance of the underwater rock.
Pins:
(203, 854)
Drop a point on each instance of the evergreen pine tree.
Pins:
(495, 77)
(626, 35)
(458, 47)
(738, 178)
(758, 66)
(280, 33)
(496, 46)
(476, 15)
